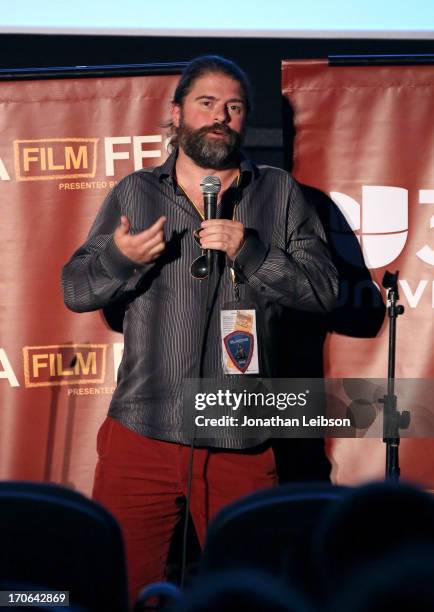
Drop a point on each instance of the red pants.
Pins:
(142, 481)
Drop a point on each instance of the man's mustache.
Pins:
(219, 128)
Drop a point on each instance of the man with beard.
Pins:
(271, 255)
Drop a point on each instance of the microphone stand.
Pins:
(393, 420)
(210, 212)
(204, 321)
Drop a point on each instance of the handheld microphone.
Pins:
(210, 187)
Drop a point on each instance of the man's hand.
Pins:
(222, 235)
(144, 247)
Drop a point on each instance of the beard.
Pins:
(210, 153)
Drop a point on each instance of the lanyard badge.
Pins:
(239, 338)
(239, 341)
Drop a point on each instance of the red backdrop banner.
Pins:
(364, 137)
(64, 144)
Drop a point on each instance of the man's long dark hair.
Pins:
(208, 64)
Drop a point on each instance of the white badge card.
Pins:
(239, 341)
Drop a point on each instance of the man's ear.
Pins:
(176, 115)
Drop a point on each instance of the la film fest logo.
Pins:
(69, 365)
(45, 159)
(55, 158)
(63, 364)
(380, 222)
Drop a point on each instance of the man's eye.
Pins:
(235, 108)
(206, 103)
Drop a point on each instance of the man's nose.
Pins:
(221, 114)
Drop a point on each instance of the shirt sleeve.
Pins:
(98, 274)
(300, 276)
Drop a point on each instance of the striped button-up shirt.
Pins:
(283, 265)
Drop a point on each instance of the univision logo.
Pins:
(380, 222)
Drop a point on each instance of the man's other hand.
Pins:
(144, 247)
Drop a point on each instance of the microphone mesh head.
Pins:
(210, 184)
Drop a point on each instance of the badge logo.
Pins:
(239, 346)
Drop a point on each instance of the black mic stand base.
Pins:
(393, 420)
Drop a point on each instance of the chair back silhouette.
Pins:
(270, 530)
(58, 538)
(370, 522)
